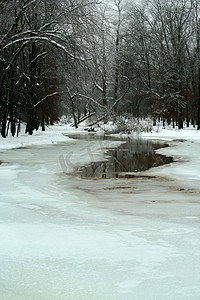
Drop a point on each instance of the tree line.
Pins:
(165, 36)
(96, 60)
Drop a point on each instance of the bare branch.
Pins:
(90, 99)
(46, 97)
(113, 106)
(42, 38)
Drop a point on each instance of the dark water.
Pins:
(133, 156)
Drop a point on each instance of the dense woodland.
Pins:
(96, 60)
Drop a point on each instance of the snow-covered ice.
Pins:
(63, 237)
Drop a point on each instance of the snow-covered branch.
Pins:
(29, 4)
(42, 38)
(48, 96)
(115, 103)
(90, 99)
(17, 18)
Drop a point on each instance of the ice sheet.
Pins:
(66, 238)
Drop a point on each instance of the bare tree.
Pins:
(38, 30)
(159, 36)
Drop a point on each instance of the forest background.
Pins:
(98, 61)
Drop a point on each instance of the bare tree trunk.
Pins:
(73, 109)
(117, 45)
(198, 111)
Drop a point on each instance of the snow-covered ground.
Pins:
(63, 237)
(52, 135)
(185, 148)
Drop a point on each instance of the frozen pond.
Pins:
(132, 156)
(67, 238)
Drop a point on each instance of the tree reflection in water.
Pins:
(132, 156)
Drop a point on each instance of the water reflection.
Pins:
(132, 156)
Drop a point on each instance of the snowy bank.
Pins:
(58, 133)
(184, 148)
(53, 135)
(173, 133)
